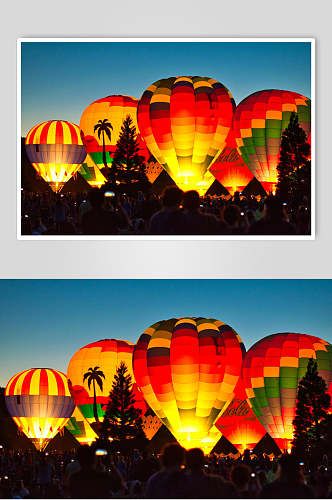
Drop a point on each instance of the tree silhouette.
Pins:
(313, 403)
(104, 127)
(122, 420)
(94, 375)
(128, 163)
(294, 163)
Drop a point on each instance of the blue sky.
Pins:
(59, 80)
(43, 322)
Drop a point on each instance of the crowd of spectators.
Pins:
(101, 212)
(92, 473)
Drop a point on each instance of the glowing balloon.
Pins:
(258, 124)
(187, 370)
(208, 443)
(273, 368)
(40, 403)
(103, 356)
(80, 428)
(56, 151)
(184, 122)
(114, 109)
(91, 173)
(239, 424)
(229, 168)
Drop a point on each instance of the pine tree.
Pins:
(294, 163)
(312, 406)
(122, 420)
(128, 164)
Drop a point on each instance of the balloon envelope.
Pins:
(91, 173)
(273, 368)
(239, 424)
(229, 168)
(184, 122)
(40, 403)
(56, 151)
(114, 108)
(258, 124)
(80, 428)
(107, 355)
(187, 370)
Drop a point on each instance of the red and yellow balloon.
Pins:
(239, 424)
(187, 370)
(56, 151)
(40, 403)
(184, 122)
(229, 168)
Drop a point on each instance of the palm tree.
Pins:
(104, 127)
(94, 375)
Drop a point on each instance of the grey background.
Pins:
(147, 259)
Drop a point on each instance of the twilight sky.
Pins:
(44, 322)
(60, 79)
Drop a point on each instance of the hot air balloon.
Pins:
(187, 370)
(101, 124)
(239, 424)
(80, 428)
(229, 168)
(91, 173)
(184, 122)
(258, 124)
(56, 151)
(272, 370)
(208, 443)
(100, 360)
(40, 403)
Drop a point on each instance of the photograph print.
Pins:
(171, 138)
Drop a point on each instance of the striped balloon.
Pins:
(272, 370)
(115, 109)
(40, 403)
(106, 355)
(56, 151)
(184, 122)
(258, 124)
(229, 168)
(187, 370)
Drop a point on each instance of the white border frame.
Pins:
(147, 237)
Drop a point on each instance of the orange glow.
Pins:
(40, 403)
(229, 168)
(153, 169)
(80, 428)
(239, 424)
(184, 122)
(91, 173)
(187, 370)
